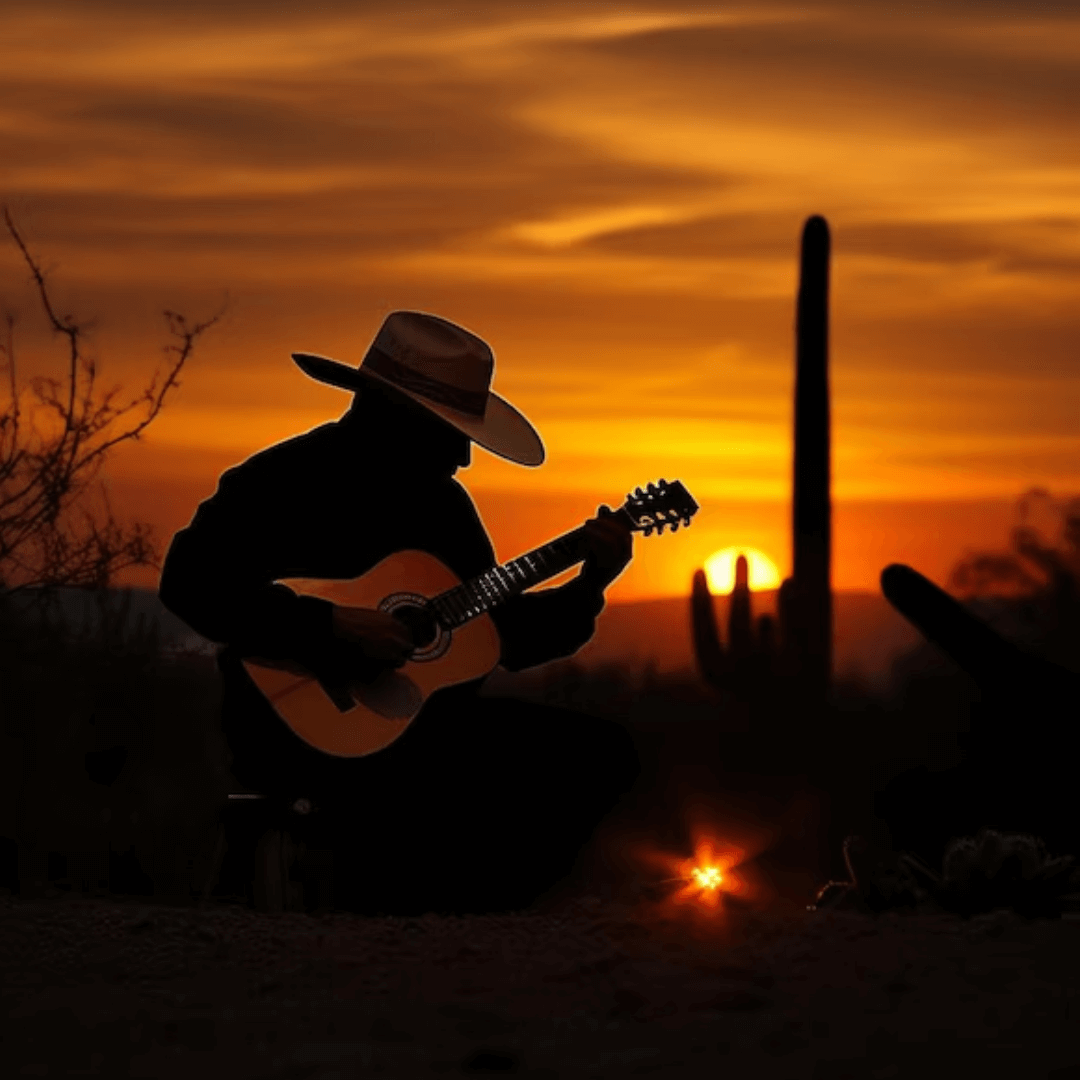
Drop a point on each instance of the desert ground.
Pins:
(576, 987)
(602, 978)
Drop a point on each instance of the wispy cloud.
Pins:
(612, 196)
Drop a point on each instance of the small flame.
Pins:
(707, 877)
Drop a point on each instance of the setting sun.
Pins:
(720, 569)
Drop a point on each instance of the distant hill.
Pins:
(869, 633)
(79, 609)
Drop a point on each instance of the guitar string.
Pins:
(463, 602)
(457, 605)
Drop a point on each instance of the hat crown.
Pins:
(446, 369)
(437, 349)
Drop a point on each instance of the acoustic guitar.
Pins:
(456, 640)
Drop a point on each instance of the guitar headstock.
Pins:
(660, 505)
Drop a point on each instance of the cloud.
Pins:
(613, 197)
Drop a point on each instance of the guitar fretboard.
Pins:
(466, 601)
(665, 505)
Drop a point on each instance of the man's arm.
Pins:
(219, 578)
(610, 543)
(217, 574)
(552, 623)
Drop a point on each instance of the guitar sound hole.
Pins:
(419, 622)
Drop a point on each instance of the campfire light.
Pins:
(707, 877)
(716, 871)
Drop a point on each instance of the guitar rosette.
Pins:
(413, 610)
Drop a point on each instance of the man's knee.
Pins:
(599, 749)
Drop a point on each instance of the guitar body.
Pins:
(368, 716)
(385, 707)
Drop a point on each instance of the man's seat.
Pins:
(262, 859)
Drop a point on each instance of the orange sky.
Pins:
(612, 197)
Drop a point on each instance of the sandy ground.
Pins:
(116, 988)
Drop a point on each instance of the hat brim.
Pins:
(502, 429)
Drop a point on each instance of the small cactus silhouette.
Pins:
(993, 871)
(749, 656)
(740, 636)
(712, 663)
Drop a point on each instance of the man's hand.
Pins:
(610, 543)
(379, 636)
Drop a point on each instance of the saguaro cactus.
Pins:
(810, 632)
(804, 648)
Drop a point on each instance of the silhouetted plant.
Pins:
(84, 696)
(1033, 589)
(115, 758)
(801, 647)
(1001, 870)
(1035, 561)
(1014, 677)
(1016, 772)
(708, 648)
(989, 872)
(55, 435)
(808, 630)
(750, 658)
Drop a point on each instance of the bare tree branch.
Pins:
(49, 535)
(62, 326)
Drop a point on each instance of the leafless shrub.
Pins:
(1031, 592)
(1044, 554)
(55, 435)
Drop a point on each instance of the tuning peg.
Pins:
(638, 492)
(662, 483)
(674, 526)
(648, 530)
(652, 489)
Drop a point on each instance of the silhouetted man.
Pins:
(481, 803)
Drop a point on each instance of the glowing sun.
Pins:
(720, 569)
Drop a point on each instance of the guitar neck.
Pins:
(466, 601)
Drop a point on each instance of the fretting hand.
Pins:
(610, 544)
(379, 636)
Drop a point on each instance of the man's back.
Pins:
(321, 505)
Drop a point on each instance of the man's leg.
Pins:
(302, 788)
(484, 804)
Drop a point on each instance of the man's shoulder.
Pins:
(298, 452)
(445, 494)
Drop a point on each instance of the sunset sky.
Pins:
(611, 196)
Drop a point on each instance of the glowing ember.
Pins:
(707, 877)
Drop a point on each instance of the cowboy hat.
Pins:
(444, 368)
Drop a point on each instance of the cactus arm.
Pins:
(708, 651)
